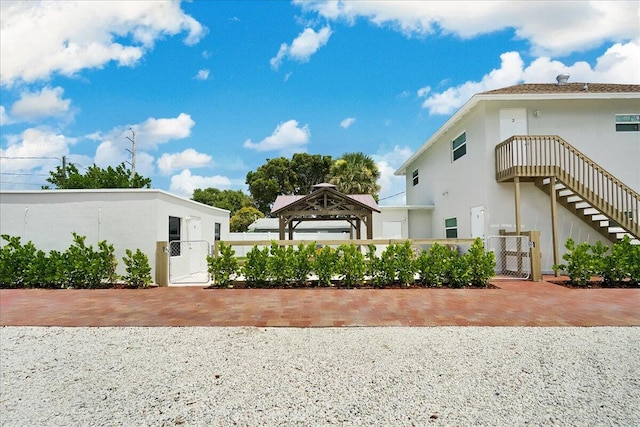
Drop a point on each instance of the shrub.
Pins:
(137, 268)
(324, 265)
(301, 262)
(256, 267)
(481, 264)
(19, 264)
(623, 263)
(459, 273)
(405, 263)
(373, 266)
(581, 264)
(224, 267)
(350, 266)
(433, 265)
(281, 263)
(86, 267)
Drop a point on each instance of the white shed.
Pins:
(144, 219)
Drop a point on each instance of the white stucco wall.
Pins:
(128, 219)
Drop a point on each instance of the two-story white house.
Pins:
(492, 164)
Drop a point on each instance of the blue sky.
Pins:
(213, 89)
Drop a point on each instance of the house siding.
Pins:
(455, 187)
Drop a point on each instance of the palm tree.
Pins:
(355, 173)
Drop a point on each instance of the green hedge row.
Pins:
(80, 266)
(347, 266)
(585, 261)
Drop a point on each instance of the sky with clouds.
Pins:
(213, 89)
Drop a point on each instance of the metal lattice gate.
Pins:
(513, 256)
(188, 262)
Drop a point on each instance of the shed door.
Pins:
(477, 222)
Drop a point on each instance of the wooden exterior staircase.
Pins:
(580, 185)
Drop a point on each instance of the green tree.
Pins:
(270, 180)
(243, 218)
(95, 177)
(355, 173)
(310, 170)
(231, 200)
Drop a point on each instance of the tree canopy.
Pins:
(232, 200)
(283, 176)
(355, 173)
(68, 177)
(243, 218)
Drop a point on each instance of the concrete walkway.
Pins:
(515, 303)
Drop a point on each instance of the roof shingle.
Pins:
(550, 88)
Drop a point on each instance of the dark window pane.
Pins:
(627, 127)
(459, 140)
(452, 233)
(174, 234)
(459, 152)
(451, 222)
(217, 231)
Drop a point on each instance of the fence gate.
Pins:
(513, 256)
(188, 261)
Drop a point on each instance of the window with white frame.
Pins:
(216, 231)
(415, 177)
(627, 122)
(451, 228)
(459, 147)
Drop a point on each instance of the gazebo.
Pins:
(325, 203)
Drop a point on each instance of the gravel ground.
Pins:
(314, 377)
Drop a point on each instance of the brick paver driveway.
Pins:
(515, 303)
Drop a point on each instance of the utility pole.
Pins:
(64, 170)
(133, 154)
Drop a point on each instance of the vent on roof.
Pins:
(562, 79)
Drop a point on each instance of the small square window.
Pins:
(415, 177)
(459, 147)
(451, 228)
(627, 122)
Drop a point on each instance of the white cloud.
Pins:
(347, 122)
(202, 75)
(619, 64)
(288, 137)
(392, 188)
(33, 106)
(4, 117)
(184, 183)
(551, 27)
(148, 135)
(30, 156)
(42, 38)
(306, 44)
(189, 158)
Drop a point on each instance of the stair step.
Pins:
(565, 193)
(574, 199)
(594, 212)
(585, 206)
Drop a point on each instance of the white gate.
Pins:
(513, 256)
(188, 261)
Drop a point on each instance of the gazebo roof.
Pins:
(364, 201)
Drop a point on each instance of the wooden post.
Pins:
(516, 182)
(162, 264)
(554, 222)
(536, 256)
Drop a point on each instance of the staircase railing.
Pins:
(539, 156)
